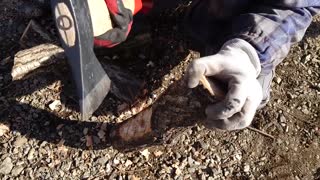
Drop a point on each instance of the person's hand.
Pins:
(111, 20)
(236, 64)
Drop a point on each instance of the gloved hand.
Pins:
(236, 64)
(121, 18)
(121, 14)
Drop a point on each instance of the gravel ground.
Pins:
(41, 136)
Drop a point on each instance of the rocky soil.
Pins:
(41, 136)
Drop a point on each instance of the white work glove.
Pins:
(237, 65)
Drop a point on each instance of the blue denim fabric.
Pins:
(270, 26)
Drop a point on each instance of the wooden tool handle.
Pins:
(213, 88)
(100, 17)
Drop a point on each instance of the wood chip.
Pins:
(212, 87)
(204, 81)
(135, 128)
(54, 104)
(89, 141)
(158, 153)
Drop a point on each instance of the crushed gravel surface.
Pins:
(46, 139)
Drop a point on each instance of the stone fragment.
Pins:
(128, 163)
(246, 168)
(20, 141)
(6, 166)
(16, 170)
(145, 153)
(31, 154)
(278, 80)
(102, 161)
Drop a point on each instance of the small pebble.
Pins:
(128, 163)
(31, 154)
(278, 80)
(16, 170)
(102, 160)
(246, 168)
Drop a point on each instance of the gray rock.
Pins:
(226, 172)
(278, 80)
(108, 169)
(178, 155)
(215, 142)
(66, 166)
(204, 145)
(6, 166)
(86, 175)
(191, 170)
(116, 161)
(31, 154)
(224, 151)
(17, 170)
(102, 161)
(246, 168)
(282, 119)
(43, 144)
(190, 161)
(20, 141)
(305, 111)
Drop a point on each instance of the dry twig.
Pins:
(261, 132)
(37, 28)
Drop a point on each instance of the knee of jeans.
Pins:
(224, 9)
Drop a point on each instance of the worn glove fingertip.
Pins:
(193, 80)
(192, 83)
(195, 72)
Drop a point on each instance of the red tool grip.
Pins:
(143, 5)
(117, 35)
